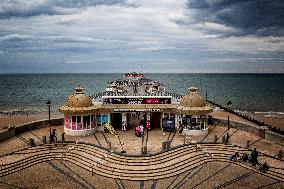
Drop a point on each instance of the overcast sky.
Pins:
(194, 36)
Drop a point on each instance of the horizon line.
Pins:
(14, 73)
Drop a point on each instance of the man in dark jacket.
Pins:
(254, 155)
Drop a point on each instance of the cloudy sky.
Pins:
(194, 36)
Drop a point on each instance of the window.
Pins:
(78, 119)
(86, 122)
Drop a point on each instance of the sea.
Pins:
(258, 93)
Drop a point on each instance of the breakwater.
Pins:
(248, 118)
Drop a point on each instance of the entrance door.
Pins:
(134, 119)
(116, 120)
(156, 120)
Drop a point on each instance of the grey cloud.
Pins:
(248, 17)
(23, 8)
(56, 38)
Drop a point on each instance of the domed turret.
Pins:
(79, 99)
(193, 99)
(79, 114)
(79, 102)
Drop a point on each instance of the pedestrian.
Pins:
(137, 131)
(264, 168)
(227, 138)
(142, 129)
(244, 157)
(232, 157)
(54, 137)
(254, 155)
(63, 137)
(180, 129)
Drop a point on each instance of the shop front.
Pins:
(82, 116)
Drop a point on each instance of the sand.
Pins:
(15, 120)
(277, 122)
(274, 121)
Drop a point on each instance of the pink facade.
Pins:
(88, 122)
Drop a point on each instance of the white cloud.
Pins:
(16, 37)
(216, 27)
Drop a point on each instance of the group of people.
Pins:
(252, 158)
(53, 137)
(239, 157)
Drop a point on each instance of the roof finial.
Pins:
(79, 90)
(193, 90)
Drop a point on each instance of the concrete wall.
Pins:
(12, 131)
(261, 131)
(275, 137)
(4, 135)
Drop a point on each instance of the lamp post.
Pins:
(48, 103)
(229, 107)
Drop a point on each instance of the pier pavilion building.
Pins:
(133, 100)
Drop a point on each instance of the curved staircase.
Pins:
(136, 168)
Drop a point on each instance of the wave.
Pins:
(241, 111)
(20, 111)
(270, 113)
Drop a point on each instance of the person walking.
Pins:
(63, 137)
(227, 138)
(254, 155)
(53, 137)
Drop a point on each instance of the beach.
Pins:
(14, 120)
(273, 120)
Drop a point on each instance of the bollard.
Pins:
(31, 142)
(168, 144)
(145, 150)
(43, 139)
(223, 139)
(109, 144)
(248, 143)
(164, 146)
(215, 138)
(280, 154)
(11, 130)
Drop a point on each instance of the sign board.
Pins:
(135, 110)
(138, 100)
(169, 124)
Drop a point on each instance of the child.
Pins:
(138, 131)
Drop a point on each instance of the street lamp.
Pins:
(229, 107)
(48, 103)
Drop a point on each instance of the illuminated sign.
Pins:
(136, 110)
(134, 75)
(121, 100)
